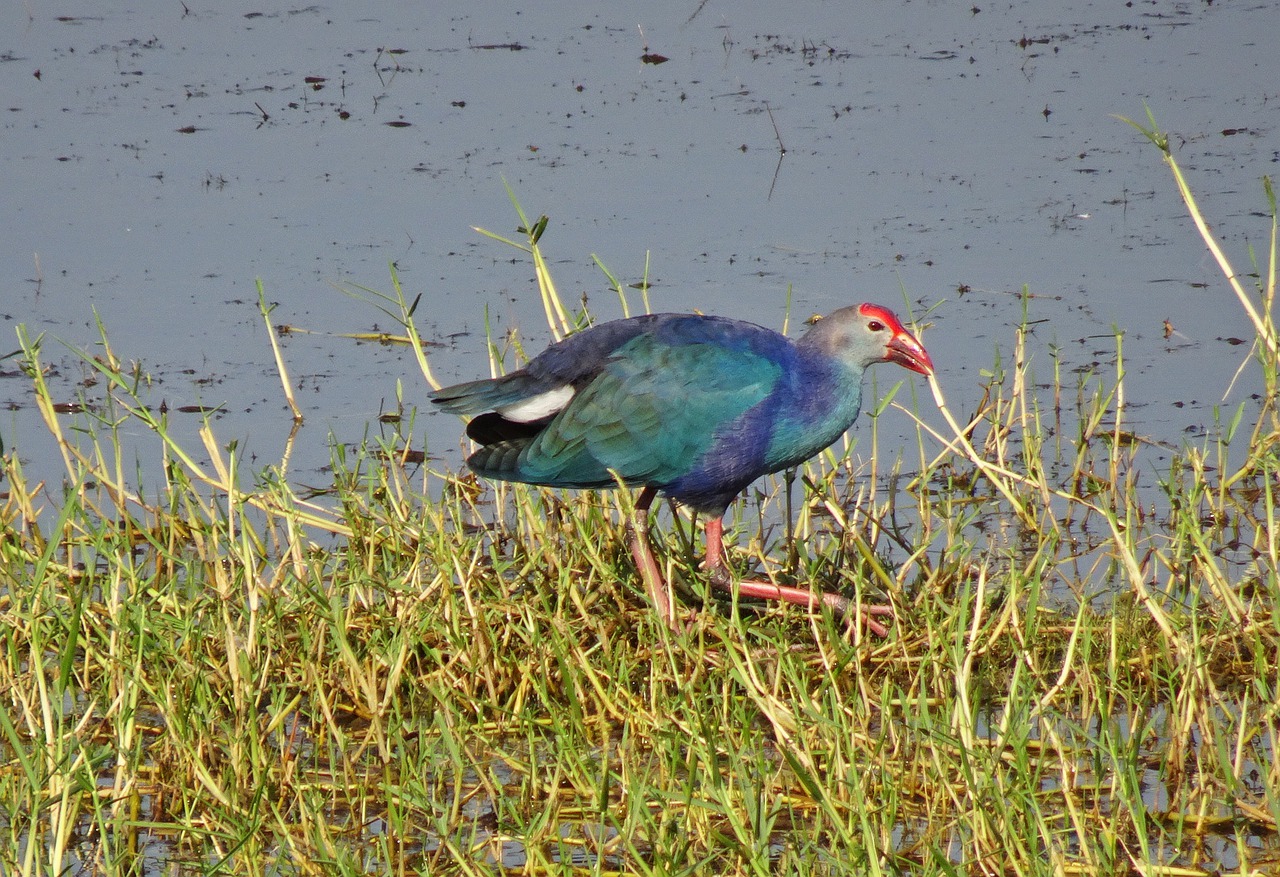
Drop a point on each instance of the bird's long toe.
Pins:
(720, 578)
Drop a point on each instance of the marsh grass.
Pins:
(413, 672)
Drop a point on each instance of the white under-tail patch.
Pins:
(539, 406)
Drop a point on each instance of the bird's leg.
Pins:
(719, 576)
(659, 593)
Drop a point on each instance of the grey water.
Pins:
(159, 157)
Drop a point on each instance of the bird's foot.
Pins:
(850, 610)
(866, 611)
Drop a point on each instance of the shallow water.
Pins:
(159, 157)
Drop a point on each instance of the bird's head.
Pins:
(868, 333)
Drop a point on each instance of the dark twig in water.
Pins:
(782, 150)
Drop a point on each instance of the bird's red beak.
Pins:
(907, 352)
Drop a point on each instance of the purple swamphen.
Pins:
(693, 406)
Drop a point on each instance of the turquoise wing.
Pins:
(650, 415)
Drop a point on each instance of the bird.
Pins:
(692, 406)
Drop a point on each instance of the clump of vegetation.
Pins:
(414, 672)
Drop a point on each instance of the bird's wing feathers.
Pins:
(650, 414)
(475, 397)
(550, 378)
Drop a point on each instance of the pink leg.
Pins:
(659, 593)
(720, 578)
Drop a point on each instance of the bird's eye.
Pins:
(875, 326)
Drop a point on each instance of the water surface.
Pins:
(157, 158)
